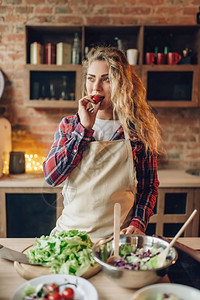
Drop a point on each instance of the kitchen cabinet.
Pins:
(166, 85)
(174, 206)
(29, 207)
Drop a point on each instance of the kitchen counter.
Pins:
(168, 178)
(177, 178)
(106, 288)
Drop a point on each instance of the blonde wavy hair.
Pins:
(128, 97)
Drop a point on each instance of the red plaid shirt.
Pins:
(66, 153)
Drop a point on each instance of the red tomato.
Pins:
(97, 98)
(54, 296)
(52, 288)
(68, 294)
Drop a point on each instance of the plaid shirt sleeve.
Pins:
(147, 182)
(66, 152)
(147, 187)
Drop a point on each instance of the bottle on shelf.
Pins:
(76, 50)
(52, 91)
(198, 16)
(166, 51)
(155, 54)
(118, 43)
(64, 89)
(43, 91)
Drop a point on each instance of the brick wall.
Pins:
(33, 129)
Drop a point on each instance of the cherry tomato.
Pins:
(97, 98)
(52, 288)
(54, 296)
(68, 294)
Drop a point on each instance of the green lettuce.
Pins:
(69, 252)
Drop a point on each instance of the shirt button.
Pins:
(75, 150)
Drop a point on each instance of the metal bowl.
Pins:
(103, 249)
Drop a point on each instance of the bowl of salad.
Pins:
(137, 265)
(166, 291)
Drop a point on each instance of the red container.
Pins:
(173, 58)
(50, 54)
(161, 58)
(150, 57)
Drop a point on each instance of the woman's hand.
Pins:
(87, 115)
(131, 229)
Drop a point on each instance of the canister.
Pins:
(17, 163)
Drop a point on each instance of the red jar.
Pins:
(50, 54)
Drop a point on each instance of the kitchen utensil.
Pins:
(162, 256)
(2, 83)
(13, 255)
(117, 214)
(102, 250)
(195, 254)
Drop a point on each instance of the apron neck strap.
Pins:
(125, 134)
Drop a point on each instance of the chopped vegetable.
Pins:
(133, 258)
(48, 292)
(65, 253)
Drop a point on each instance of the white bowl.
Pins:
(182, 292)
(84, 290)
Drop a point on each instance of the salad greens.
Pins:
(133, 258)
(65, 253)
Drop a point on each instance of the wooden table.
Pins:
(10, 280)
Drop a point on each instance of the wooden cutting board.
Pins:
(5, 143)
(29, 272)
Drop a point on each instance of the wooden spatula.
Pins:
(163, 254)
(117, 218)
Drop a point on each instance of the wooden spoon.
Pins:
(163, 254)
(117, 219)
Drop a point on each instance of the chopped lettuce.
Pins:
(65, 253)
(137, 259)
(29, 290)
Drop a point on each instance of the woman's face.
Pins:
(98, 83)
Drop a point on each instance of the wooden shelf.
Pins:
(58, 71)
(50, 103)
(142, 37)
(173, 73)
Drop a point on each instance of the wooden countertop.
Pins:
(168, 179)
(177, 178)
(10, 280)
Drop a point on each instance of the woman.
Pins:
(107, 149)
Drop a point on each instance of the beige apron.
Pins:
(105, 176)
